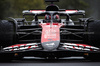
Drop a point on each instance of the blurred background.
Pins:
(14, 8)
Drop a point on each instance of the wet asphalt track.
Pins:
(30, 61)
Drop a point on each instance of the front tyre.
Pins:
(94, 38)
(6, 33)
(94, 33)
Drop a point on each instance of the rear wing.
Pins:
(70, 12)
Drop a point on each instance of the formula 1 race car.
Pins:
(54, 36)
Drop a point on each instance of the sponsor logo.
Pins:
(50, 45)
(50, 33)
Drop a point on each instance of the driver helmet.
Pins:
(47, 17)
(56, 17)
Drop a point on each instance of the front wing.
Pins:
(64, 49)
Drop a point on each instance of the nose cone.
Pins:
(50, 37)
(52, 45)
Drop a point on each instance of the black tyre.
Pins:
(94, 38)
(94, 33)
(6, 33)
